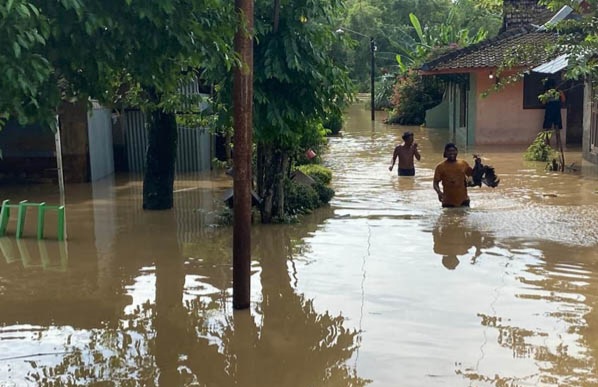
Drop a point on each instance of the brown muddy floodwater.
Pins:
(383, 288)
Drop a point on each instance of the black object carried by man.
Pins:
(483, 174)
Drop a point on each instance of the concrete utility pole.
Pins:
(242, 140)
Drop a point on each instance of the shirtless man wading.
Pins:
(405, 152)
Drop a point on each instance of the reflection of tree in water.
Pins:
(282, 342)
(563, 359)
(512, 337)
(556, 368)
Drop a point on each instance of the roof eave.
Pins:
(466, 70)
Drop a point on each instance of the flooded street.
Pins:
(381, 288)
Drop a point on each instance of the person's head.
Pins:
(450, 261)
(450, 151)
(550, 84)
(407, 137)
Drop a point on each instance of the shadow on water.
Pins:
(383, 287)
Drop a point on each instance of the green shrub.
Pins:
(325, 193)
(220, 164)
(334, 123)
(540, 149)
(225, 216)
(300, 199)
(317, 172)
(384, 92)
(413, 95)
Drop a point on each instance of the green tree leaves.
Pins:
(578, 37)
(61, 50)
(25, 71)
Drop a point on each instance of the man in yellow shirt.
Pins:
(452, 173)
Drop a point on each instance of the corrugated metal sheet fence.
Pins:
(193, 150)
(136, 140)
(194, 144)
(99, 128)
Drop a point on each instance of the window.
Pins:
(462, 105)
(533, 86)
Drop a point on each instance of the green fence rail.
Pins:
(22, 212)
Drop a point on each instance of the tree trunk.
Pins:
(158, 183)
(260, 165)
(264, 186)
(281, 174)
(272, 167)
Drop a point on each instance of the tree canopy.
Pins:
(389, 23)
(578, 38)
(54, 51)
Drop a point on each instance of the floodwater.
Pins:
(381, 288)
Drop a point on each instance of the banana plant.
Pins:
(413, 52)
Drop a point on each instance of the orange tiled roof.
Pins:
(526, 44)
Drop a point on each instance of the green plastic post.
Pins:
(21, 218)
(41, 212)
(4, 215)
(61, 223)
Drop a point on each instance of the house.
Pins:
(29, 152)
(96, 141)
(480, 112)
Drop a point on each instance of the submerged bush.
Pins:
(300, 199)
(317, 172)
(324, 192)
(334, 123)
(413, 95)
(540, 149)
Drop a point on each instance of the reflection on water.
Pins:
(453, 238)
(31, 253)
(381, 288)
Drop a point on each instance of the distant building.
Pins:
(477, 115)
(95, 143)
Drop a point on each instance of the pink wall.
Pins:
(500, 117)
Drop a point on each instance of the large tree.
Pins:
(578, 37)
(166, 44)
(28, 89)
(135, 51)
(297, 85)
(388, 22)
